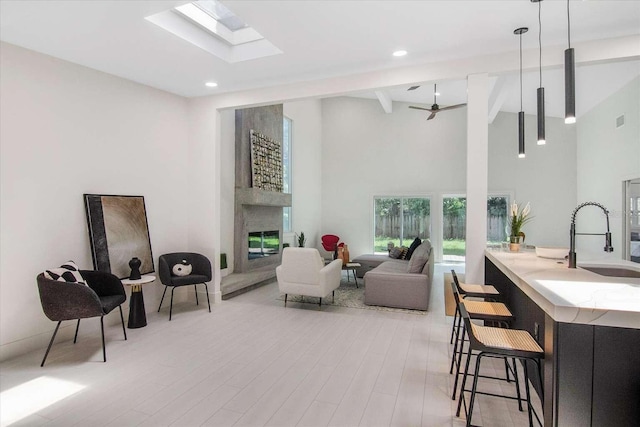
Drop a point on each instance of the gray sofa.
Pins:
(370, 261)
(400, 283)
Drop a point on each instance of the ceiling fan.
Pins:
(435, 108)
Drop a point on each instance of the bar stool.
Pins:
(486, 292)
(495, 312)
(498, 342)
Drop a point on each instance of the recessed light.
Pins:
(400, 53)
(437, 94)
(211, 84)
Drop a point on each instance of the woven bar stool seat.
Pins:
(495, 312)
(486, 308)
(507, 339)
(486, 292)
(479, 291)
(473, 290)
(487, 341)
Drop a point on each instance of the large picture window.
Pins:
(399, 220)
(286, 171)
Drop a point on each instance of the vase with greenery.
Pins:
(518, 217)
(301, 239)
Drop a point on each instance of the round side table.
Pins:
(137, 315)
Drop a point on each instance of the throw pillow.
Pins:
(182, 269)
(416, 242)
(395, 252)
(419, 258)
(68, 272)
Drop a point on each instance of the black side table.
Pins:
(137, 315)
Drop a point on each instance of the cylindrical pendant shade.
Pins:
(569, 86)
(541, 136)
(521, 134)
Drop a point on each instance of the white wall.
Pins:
(368, 153)
(68, 130)
(606, 156)
(306, 165)
(228, 182)
(546, 177)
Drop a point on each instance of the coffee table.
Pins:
(351, 266)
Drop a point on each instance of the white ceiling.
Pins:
(322, 39)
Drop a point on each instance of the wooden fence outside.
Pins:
(453, 227)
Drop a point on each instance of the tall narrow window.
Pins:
(286, 171)
(454, 228)
(399, 220)
(497, 206)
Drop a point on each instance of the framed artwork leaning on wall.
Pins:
(118, 232)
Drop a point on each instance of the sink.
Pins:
(552, 252)
(614, 271)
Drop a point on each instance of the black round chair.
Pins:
(70, 301)
(200, 273)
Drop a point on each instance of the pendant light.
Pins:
(520, 31)
(541, 124)
(569, 78)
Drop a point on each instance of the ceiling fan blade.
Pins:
(451, 107)
(433, 114)
(419, 108)
(413, 87)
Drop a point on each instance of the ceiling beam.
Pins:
(385, 100)
(498, 95)
(620, 48)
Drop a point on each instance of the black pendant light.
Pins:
(520, 31)
(569, 77)
(541, 136)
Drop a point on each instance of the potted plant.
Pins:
(518, 217)
(301, 239)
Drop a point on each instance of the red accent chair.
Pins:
(330, 242)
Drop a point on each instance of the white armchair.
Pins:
(303, 272)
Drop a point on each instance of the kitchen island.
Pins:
(589, 328)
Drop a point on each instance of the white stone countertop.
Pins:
(574, 295)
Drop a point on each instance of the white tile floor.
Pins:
(252, 362)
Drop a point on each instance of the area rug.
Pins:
(347, 295)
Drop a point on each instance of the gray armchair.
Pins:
(70, 301)
(200, 273)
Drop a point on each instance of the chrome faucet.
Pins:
(607, 235)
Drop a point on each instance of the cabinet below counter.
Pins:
(589, 328)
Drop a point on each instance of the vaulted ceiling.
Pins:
(321, 39)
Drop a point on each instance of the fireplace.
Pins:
(258, 211)
(263, 244)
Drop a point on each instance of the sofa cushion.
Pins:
(395, 252)
(68, 272)
(405, 250)
(419, 258)
(392, 266)
(414, 245)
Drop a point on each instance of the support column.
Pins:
(477, 175)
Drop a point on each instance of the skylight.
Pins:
(209, 25)
(220, 13)
(218, 20)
